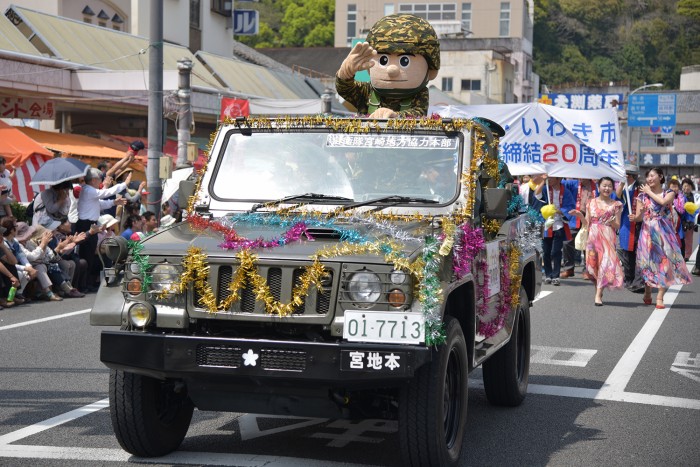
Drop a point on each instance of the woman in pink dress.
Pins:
(602, 220)
(658, 253)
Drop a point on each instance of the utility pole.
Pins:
(155, 107)
(184, 113)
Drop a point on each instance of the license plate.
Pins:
(389, 327)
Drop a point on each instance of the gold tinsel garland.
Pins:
(195, 264)
(514, 255)
(492, 226)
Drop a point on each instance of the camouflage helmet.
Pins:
(406, 34)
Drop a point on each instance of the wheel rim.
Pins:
(169, 403)
(452, 397)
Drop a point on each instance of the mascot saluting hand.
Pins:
(402, 54)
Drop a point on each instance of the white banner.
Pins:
(545, 139)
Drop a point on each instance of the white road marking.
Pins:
(42, 320)
(249, 429)
(574, 357)
(542, 295)
(688, 373)
(53, 422)
(176, 458)
(612, 390)
(352, 431)
(683, 359)
(626, 366)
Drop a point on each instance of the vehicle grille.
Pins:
(226, 356)
(281, 281)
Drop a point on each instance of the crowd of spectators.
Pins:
(53, 254)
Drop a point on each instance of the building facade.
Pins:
(196, 24)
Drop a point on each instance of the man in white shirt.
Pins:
(90, 203)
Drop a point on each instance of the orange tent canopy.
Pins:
(17, 147)
(77, 146)
(88, 149)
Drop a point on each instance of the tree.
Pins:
(294, 23)
(636, 41)
(689, 8)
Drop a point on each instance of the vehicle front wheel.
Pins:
(507, 372)
(150, 417)
(433, 405)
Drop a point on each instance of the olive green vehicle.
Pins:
(340, 268)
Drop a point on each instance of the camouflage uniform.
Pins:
(395, 34)
(358, 94)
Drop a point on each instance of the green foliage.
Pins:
(635, 41)
(293, 23)
(19, 211)
(689, 8)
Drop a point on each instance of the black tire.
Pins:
(433, 406)
(150, 417)
(506, 372)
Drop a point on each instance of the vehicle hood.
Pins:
(175, 240)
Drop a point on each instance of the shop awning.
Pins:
(24, 156)
(17, 147)
(85, 148)
(72, 145)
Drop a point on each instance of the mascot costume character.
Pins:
(402, 54)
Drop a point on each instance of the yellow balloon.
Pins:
(548, 211)
(691, 208)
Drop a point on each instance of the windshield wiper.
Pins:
(393, 199)
(307, 197)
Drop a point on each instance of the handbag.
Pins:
(581, 239)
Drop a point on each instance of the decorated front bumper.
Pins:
(176, 356)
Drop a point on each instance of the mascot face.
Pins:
(400, 71)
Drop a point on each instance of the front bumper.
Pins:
(222, 359)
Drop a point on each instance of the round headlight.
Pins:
(164, 276)
(397, 277)
(140, 314)
(134, 286)
(397, 298)
(364, 287)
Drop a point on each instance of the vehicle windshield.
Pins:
(270, 166)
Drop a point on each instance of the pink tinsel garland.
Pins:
(503, 309)
(471, 242)
(291, 235)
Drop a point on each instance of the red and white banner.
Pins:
(232, 108)
(24, 192)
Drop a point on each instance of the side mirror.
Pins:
(185, 190)
(496, 202)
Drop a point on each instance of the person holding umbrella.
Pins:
(90, 203)
(54, 203)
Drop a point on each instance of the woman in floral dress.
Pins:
(602, 220)
(658, 254)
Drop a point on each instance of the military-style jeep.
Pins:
(341, 268)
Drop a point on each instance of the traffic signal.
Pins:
(683, 132)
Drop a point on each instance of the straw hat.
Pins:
(106, 221)
(24, 231)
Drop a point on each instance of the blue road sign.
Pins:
(651, 110)
(245, 22)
